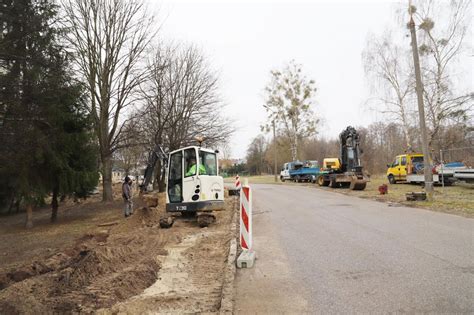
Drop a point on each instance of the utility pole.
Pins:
(421, 108)
(275, 151)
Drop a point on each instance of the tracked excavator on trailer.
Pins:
(193, 184)
(345, 171)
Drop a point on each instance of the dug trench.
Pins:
(131, 266)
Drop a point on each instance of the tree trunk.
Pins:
(157, 171)
(12, 203)
(54, 203)
(405, 125)
(162, 183)
(107, 193)
(294, 147)
(29, 216)
(421, 112)
(159, 182)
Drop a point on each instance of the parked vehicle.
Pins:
(409, 168)
(298, 171)
(345, 171)
(287, 167)
(465, 175)
(403, 165)
(307, 171)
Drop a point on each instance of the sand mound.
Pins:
(100, 269)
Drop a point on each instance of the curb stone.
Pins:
(227, 298)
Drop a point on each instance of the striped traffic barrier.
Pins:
(247, 257)
(246, 218)
(237, 182)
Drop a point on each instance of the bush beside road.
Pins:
(457, 199)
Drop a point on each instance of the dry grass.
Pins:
(263, 179)
(457, 199)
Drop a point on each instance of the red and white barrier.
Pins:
(238, 185)
(246, 218)
(247, 257)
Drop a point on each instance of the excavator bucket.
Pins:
(358, 183)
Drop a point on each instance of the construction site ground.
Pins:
(95, 260)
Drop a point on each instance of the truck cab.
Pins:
(285, 172)
(403, 165)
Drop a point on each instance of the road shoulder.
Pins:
(269, 287)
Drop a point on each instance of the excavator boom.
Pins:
(153, 157)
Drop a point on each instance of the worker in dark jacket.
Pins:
(127, 197)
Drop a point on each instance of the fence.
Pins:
(463, 154)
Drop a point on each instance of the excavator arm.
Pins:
(154, 156)
(350, 152)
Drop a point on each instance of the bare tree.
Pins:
(133, 150)
(444, 29)
(226, 150)
(109, 38)
(181, 101)
(256, 163)
(289, 102)
(390, 74)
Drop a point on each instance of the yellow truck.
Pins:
(403, 165)
(409, 168)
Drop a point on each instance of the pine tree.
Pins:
(43, 121)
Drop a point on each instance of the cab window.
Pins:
(208, 162)
(404, 160)
(174, 177)
(190, 162)
(396, 162)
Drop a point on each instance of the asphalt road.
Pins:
(324, 252)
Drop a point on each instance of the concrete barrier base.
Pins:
(246, 259)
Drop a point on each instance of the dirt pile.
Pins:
(101, 269)
(126, 266)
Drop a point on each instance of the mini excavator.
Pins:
(193, 184)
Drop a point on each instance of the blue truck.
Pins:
(297, 171)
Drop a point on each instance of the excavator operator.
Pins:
(192, 168)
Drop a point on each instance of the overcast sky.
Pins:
(244, 40)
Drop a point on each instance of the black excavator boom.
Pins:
(155, 155)
(349, 151)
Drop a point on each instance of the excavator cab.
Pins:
(194, 184)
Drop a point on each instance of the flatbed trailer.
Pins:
(420, 178)
(306, 174)
(466, 175)
(301, 171)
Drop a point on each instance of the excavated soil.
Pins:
(131, 266)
